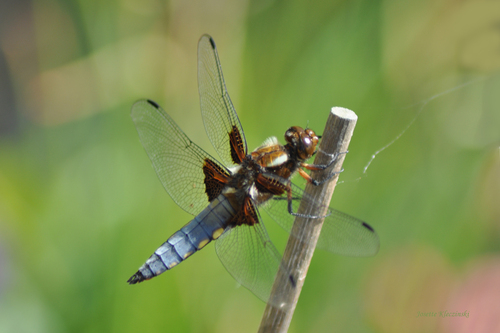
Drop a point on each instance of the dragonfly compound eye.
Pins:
(292, 135)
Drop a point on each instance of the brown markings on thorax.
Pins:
(267, 156)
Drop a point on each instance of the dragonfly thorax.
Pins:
(271, 154)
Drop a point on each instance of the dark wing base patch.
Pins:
(246, 215)
(237, 145)
(269, 185)
(215, 179)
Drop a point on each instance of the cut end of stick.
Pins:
(344, 113)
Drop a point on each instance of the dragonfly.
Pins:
(225, 196)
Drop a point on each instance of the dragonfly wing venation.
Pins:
(341, 233)
(217, 110)
(250, 257)
(178, 161)
(346, 235)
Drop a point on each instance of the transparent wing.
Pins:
(178, 161)
(250, 257)
(341, 233)
(219, 116)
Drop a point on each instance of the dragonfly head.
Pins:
(304, 141)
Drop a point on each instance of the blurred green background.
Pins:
(81, 207)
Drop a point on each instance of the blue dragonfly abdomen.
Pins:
(204, 228)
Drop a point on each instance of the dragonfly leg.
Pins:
(323, 166)
(316, 182)
(290, 207)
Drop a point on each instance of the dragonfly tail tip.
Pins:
(136, 278)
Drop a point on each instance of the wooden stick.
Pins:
(299, 249)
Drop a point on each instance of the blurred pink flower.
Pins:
(479, 295)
